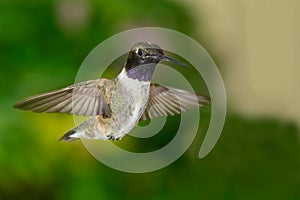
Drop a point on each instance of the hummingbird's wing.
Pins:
(85, 98)
(165, 101)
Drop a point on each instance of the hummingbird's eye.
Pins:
(140, 52)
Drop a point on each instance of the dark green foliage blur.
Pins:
(40, 51)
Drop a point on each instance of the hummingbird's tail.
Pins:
(79, 131)
(67, 137)
(88, 129)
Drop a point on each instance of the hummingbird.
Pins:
(115, 106)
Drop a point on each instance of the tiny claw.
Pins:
(111, 137)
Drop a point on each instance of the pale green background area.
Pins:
(42, 46)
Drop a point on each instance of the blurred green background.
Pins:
(42, 45)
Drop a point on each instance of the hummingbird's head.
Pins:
(142, 60)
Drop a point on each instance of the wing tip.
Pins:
(15, 106)
(203, 100)
(19, 105)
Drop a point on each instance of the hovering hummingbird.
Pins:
(115, 106)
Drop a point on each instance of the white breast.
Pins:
(133, 97)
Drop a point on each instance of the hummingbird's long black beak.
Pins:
(166, 58)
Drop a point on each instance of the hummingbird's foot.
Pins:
(111, 137)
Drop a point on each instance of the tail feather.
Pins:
(87, 129)
(67, 136)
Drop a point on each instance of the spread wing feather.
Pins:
(165, 101)
(85, 98)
